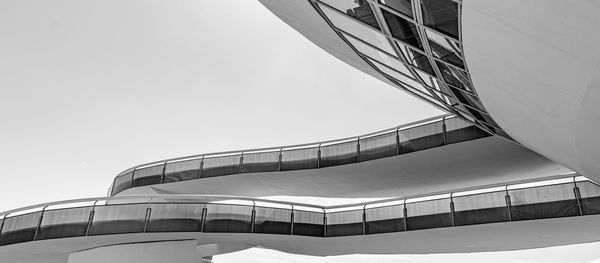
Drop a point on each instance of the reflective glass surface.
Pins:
(173, 217)
(299, 159)
(147, 175)
(115, 219)
(20, 228)
(122, 182)
(260, 162)
(543, 202)
(346, 223)
(385, 219)
(222, 165)
(445, 49)
(402, 6)
(379, 146)
(269, 220)
(421, 137)
(441, 15)
(358, 9)
(338, 154)
(403, 29)
(307, 223)
(228, 218)
(480, 208)
(589, 193)
(60, 223)
(428, 214)
(182, 170)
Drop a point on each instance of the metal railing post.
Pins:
(39, 224)
(241, 168)
(131, 181)
(398, 141)
(201, 169)
(162, 176)
(319, 156)
(280, 159)
(444, 130)
(148, 213)
(324, 223)
(364, 220)
(292, 221)
(452, 210)
(2, 225)
(405, 213)
(204, 212)
(91, 219)
(508, 203)
(577, 196)
(358, 150)
(253, 217)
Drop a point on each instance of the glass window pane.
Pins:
(467, 99)
(590, 197)
(428, 214)
(182, 170)
(458, 130)
(228, 218)
(147, 176)
(385, 219)
(455, 77)
(378, 55)
(358, 9)
(68, 222)
(222, 165)
(19, 228)
(308, 223)
(407, 80)
(445, 49)
(122, 182)
(543, 202)
(299, 159)
(421, 137)
(260, 162)
(441, 15)
(358, 30)
(379, 146)
(402, 6)
(115, 219)
(403, 29)
(480, 208)
(345, 223)
(272, 220)
(338, 154)
(175, 218)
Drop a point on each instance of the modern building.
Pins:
(511, 166)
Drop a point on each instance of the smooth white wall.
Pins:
(536, 66)
(155, 252)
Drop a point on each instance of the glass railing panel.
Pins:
(543, 202)
(338, 154)
(116, 219)
(384, 219)
(222, 165)
(590, 197)
(260, 162)
(148, 175)
(458, 130)
(173, 217)
(480, 208)
(270, 220)
(441, 15)
(346, 223)
(360, 30)
(360, 10)
(297, 159)
(421, 137)
(428, 214)
(182, 170)
(379, 146)
(228, 218)
(122, 182)
(307, 223)
(19, 228)
(67, 222)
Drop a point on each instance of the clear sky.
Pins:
(90, 88)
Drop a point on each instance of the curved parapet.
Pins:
(566, 204)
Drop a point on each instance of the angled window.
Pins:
(402, 29)
(402, 6)
(358, 9)
(445, 49)
(441, 15)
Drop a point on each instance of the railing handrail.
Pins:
(216, 198)
(277, 148)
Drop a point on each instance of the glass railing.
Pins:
(426, 134)
(563, 196)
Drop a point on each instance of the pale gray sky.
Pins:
(90, 88)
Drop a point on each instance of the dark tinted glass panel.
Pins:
(69, 222)
(115, 219)
(454, 76)
(308, 223)
(338, 154)
(175, 218)
(345, 223)
(421, 137)
(403, 29)
(402, 6)
(260, 162)
(379, 146)
(223, 165)
(480, 209)
(273, 220)
(19, 228)
(385, 219)
(441, 15)
(147, 176)
(183, 170)
(122, 182)
(358, 9)
(458, 130)
(228, 218)
(468, 99)
(590, 197)
(543, 202)
(428, 214)
(445, 54)
(299, 159)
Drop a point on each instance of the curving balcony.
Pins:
(417, 136)
(564, 196)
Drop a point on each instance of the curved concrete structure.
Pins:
(536, 66)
